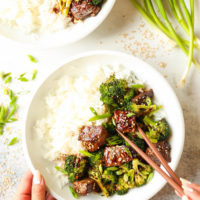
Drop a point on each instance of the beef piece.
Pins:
(93, 137)
(83, 9)
(141, 98)
(123, 123)
(85, 186)
(116, 155)
(164, 148)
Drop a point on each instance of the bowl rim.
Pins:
(94, 53)
(72, 41)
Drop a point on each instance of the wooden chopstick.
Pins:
(171, 181)
(160, 157)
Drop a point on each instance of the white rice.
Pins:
(68, 108)
(32, 15)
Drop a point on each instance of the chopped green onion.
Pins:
(86, 153)
(93, 111)
(12, 112)
(112, 168)
(114, 140)
(130, 114)
(23, 92)
(13, 141)
(75, 195)
(61, 170)
(4, 76)
(34, 73)
(32, 59)
(128, 152)
(137, 86)
(150, 177)
(22, 75)
(98, 117)
(6, 91)
(23, 79)
(8, 80)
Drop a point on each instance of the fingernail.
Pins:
(187, 188)
(37, 179)
(184, 181)
(184, 197)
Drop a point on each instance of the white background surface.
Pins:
(123, 30)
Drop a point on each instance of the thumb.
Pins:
(38, 187)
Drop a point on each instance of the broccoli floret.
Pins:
(158, 130)
(75, 167)
(95, 173)
(109, 176)
(125, 182)
(113, 91)
(142, 172)
(110, 127)
(111, 189)
(138, 141)
(96, 2)
(129, 95)
(140, 109)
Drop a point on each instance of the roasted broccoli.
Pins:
(125, 182)
(142, 172)
(95, 173)
(75, 167)
(113, 91)
(109, 176)
(158, 130)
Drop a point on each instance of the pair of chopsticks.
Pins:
(172, 178)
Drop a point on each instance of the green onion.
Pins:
(137, 86)
(128, 152)
(150, 177)
(61, 170)
(159, 18)
(23, 79)
(86, 153)
(8, 80)
(75, 195)
(23, 92)
(112, 168)
(4, 75)
(130, 114)
(114, 140)
(93, 111)
(6, 91)
(98, 117)
(34, 73)
(32, 59)
(13, 141)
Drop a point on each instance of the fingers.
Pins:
(38, 187)
(24, 188)
(49, 197)
(189, 184)
(190, 189)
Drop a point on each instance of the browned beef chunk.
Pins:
(85, 186)
(93, 137)
(123, 123)
(164, 148)
(116, 155)
(141, 98)
(83, 9)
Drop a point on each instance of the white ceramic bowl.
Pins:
(60, 38)
(163, 93)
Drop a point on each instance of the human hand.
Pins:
(32, 187)
(191, 190)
